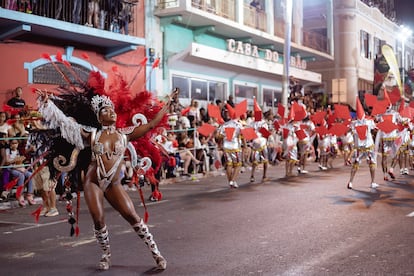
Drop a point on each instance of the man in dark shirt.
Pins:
(17, 101)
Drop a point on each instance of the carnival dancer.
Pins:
(260, 154)
(103, 178)
(347, 141)
(290, 150)
(324, 146)
(402, 142)
(411, 146)
(230, 132)
(333, 149)
(362, 128)
(87, 120)
(386, 140)
(305, 143)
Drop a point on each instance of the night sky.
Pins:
(405, 12)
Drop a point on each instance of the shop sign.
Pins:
(248, 49)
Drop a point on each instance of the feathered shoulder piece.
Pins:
(76, 101)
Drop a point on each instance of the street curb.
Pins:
(13, 203)
(191, 178)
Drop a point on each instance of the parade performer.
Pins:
(260, 154)
(103, 177)
(324, 146)
(230, 133)
(411, 145)
(402, 142)
(347, 141)
(88, 121)
(386, 141)
(305, 143)
(362, 128)
(333, 149)
(290, 150)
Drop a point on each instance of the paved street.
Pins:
(305, 225)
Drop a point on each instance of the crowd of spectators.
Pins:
(17, 178)
(112, 15)
(185, 150)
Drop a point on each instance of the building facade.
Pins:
(361, 28)
(212, 48)
(209, 48)
(114, 36)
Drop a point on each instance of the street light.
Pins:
(403, 35)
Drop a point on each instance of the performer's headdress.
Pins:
(98, 102)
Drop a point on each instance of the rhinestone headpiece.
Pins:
(98, 102)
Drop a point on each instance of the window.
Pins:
(217, 90)
(242, 92)
(199, 90)
(271, 98)
(47, 74)
(205, 91)
(365, 45)
(183, 85)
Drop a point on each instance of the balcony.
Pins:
(225, 9)
(255, 18)
(235, 19)
(111, 32)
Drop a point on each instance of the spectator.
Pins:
(214, 151)
(18, 127)
(77, 7)
(15, 159)
(17, 101)
(93, 12)
(11, 5)
(24, 6)
(125, 17)
(4, 126)
(184, 122)
(220, 104)
(3, 146)
(230, 101)
(176, 106)
(193, 114)
(169, 147)
(204, 115)
(58, 10)
(186, 144)
(46, 186)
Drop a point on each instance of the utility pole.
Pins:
(288, 7)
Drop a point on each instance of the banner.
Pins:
(389, 56)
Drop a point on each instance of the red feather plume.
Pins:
(19, 191)
(46, 56)
(156, 63)
(36, 213)
(11, 184)
(146, 216)
(143, 61)
(59, 56)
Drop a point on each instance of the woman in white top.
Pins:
(4, 126)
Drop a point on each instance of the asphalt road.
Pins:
(303, 225)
